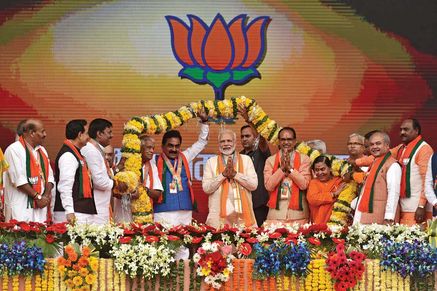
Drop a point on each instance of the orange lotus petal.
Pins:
(198, 32)
(218, 49)
(236, 30)
(179, 40)
(255, 38)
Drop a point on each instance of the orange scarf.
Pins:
(160, 164)
(85, 186)
(37, 172)
(366, 203)
(241, 191)
(296, 199)
(407, 152)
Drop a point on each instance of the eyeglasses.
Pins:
(354, 143)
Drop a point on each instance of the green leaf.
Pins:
(239, 75)
(194, 73)
(49, 250)
(218, 79)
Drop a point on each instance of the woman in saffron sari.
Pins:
(323, 190)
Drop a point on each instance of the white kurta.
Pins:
(212, 186)
(102, 182)
(429, 185)
(184, 217)
(394, 174)
(15, 200)
(156, 186)
(68, 165)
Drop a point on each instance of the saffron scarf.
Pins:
(296, 195)
(36, 171)
(407, 152)
(161, 165)
(240, 193)
(366, 203)
(85, 185)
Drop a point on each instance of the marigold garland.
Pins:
(38, 282)
(27, 283)
(15, 283)
(5, 281)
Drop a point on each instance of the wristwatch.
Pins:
(37, 196)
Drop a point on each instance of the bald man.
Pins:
(29, 180)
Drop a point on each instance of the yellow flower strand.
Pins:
(122, 281)
(38, 280)
(376, 276)
(51, 269)
(27, 283)
(116, 279)
(5, 281)
(15, 283)
(102, 271)
(407, 283)
(110, 278)
(369, 273)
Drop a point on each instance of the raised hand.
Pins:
(243, 112)
(202, 115)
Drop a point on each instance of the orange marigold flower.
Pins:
(69, 249)
(83, 262)
(78, 281)
(83, 272)
(86, 251)
(72, 257)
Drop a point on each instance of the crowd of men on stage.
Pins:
(250, 187)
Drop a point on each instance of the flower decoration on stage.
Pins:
(21, 259)
(220, 54)
(78, 267)
(214, 262)
(346, 269)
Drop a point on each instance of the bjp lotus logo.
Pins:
(220, 54)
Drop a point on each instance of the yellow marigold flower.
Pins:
(72, 273)
(69, 283)
(94, 264)
(77, 280)
(61, 269)
(83, 272)
(90, 279)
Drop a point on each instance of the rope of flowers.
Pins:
(342, 207)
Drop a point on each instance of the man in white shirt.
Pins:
(29, 180)
(431, 183)
(74, 194)
(379, 197)
(100, 132)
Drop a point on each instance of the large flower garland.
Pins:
(158, 123)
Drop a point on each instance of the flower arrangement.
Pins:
(417, 258)
(137, 257)
(78, 268)
(214, 262)
(370, 239)
(292, 259)
(346, 271)
(342, 207)
(100, 237)
(21, 259)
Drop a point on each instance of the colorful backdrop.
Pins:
(331, 67)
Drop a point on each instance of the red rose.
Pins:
(274, 235)
(127, 231)
(172, 237)
(252, 240)
(338, 240)
(24, 226)
(125, 239)
(152, 239)
(50, 238)
(314, 241)
(245, 249)
(196, 240)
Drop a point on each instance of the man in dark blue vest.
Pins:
(176, 203)
(74, 194)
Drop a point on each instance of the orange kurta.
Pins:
(320, 200)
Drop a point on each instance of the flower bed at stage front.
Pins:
(312, 257)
